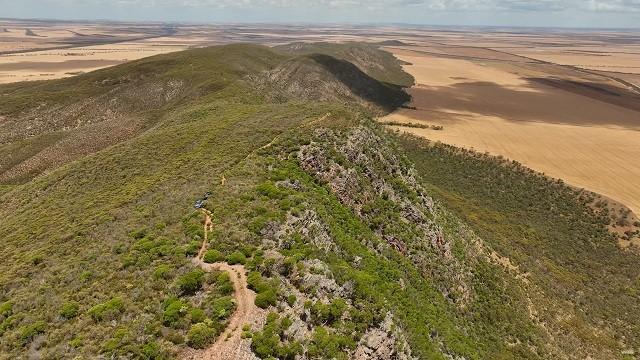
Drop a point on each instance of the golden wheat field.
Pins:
(585, 141)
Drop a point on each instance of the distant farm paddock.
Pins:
(504, 110)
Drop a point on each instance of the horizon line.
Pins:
(306, 23)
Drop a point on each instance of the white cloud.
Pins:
(613, 5)
(445, 5)
(563, 13)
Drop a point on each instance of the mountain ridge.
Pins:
(349, 232)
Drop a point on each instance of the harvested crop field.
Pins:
(582, 134)
(41, 50)
(57, 63)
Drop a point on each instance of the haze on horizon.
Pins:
(538, 13)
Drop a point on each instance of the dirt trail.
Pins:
(229, 345)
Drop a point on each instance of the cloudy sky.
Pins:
(566, 13)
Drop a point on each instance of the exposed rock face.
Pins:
(319, 278)
(385, 342)
(289, 184)
(307, 225)
(312, 281)
(365, 174)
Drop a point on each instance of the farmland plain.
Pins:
(565, 121)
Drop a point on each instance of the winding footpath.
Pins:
(229, 345)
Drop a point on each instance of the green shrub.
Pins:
(257, 224)
(200, 335)
(152, 351)
(28, 332)
(10, 322)
(197, 315)
(37, 259)
(6, 308)
(212, 256)
(329, 345)
(174, 310)
(86, 275)
(107, 310)
(192, 248)
(191, 282)
(265, 343)
(327, 313)
(138, 233)
(120, 340)
(221, 308)
(287, 266)
(174, 337)
(224, 284)
(269, 190)
(256, 282)
(268, 342)
(266, 298)
(291, 300)
(236, 257)
(69, 309)
(285, 323)
(163, 272)
(76, 342)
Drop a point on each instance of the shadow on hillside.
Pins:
(535, 102)
(387, 96)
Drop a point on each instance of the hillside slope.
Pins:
(380, 65)
(351, 236)
(46, 124)
(319, 77)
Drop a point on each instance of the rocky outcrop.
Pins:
(384, 342)
(365, 174)
(307, 225)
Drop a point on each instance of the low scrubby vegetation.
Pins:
(345, 246)
(412, 125)
(550, 232)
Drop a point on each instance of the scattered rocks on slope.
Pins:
(308, 225)
(385, 342)
(365, 174)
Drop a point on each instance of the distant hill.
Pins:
(322, 77)
(47, 124)
(392, 43)
(380, 65)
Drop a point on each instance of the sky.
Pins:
(543, 13)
